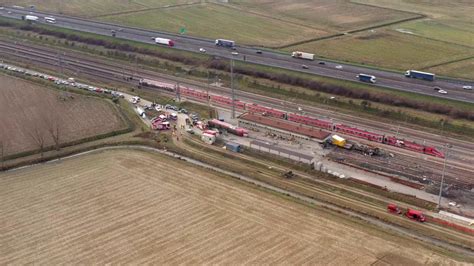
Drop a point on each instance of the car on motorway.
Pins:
(202, 50)
(436, 88)
(321, 62)
(235, 53)
(443, 92)
(338, 67)
(259, 52)
(304, 67)
(467, 87)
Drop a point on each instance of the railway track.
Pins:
(364, 202)
(114, 72)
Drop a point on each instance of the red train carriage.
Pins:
(409, 145)
(196, 94)
(255, 108)
(358, 133)
(223, 100)
(242, 132)
(309, 121)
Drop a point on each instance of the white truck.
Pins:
(164, 41)
(302, 55)
(30, 18)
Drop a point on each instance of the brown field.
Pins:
(132, 207)
(28, 112)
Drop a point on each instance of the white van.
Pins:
(50, 20)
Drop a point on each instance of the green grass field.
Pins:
(386, 48)
(462, 69)
(90, 8)
(335, 16)
(216, 21)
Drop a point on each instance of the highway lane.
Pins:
(348, 72)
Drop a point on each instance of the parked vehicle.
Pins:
(302, 55)
(164, 41)
(419, 75)
(415, 215)
(393, 208)
(366, 78)
(225, 43)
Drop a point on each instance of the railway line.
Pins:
(114, 72)
(311, 187)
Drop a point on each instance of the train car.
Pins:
(310, 121)
(265, 111)
(242, 132)
(223, 100)
(157, 84)
(433, 151)
(196, 94)
(409, 145)
(358, 133)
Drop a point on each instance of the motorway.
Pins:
(348, 72)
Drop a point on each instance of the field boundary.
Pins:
(419, 16)
(144, 10)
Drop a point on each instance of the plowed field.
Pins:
(29, 113)
(132, 207)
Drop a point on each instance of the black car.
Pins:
(436, 88)
(259, 52)
(321, 62)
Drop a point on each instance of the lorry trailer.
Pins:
(420, 75)
(302, 55)
(366, 78)
(225, 43)
(30, 18)
(164, 41)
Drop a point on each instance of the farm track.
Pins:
(117, 72)
(306, 188)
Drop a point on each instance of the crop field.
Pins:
(92, 8)
(132, 207)
(216, 21)
(31, 113)
(387, 48)
(336, 16)
(462, 69)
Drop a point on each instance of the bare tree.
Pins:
(2, 153)
(38, 137)
(53, 128)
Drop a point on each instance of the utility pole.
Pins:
(178, 96)
(446, 151)
(208, 97)
(232, 86)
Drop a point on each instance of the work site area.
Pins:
(132, 141)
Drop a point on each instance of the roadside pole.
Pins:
(232, 86)
(446, 151)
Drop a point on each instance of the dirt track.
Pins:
(135, 207)
(27, 108)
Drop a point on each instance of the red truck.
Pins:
(415, 215)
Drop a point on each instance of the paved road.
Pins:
(348, 72)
